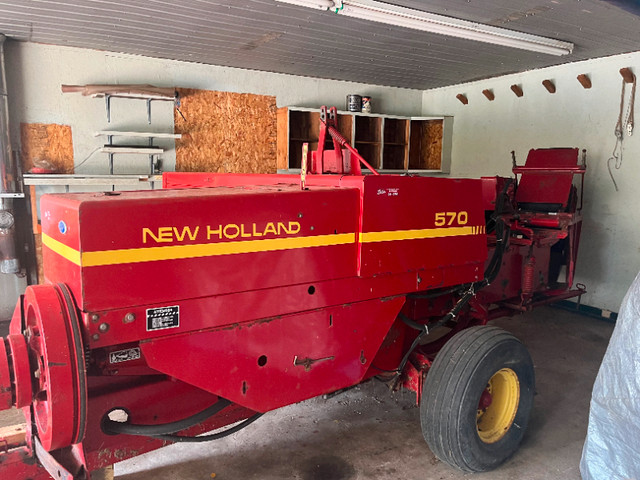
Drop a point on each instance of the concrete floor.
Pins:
(370, 433)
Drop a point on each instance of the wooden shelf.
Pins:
(137, 92)
(128, 149)
(368, 129)
(113, 133)
(387, 142)
(98, 180)
(371, 153)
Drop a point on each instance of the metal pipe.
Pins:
(7, 168)
(8, 256)
(8, 181)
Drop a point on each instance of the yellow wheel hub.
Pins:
(498, 405)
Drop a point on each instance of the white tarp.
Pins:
(612, 447)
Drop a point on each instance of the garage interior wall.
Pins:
(35, 73)
(485, 132)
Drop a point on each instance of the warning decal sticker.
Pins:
(124, 355)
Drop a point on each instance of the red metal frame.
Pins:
(259, 292)
(343, 158)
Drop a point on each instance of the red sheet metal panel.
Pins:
(415, 209)
(233, 309)
(282, 360)
(430, 224)
(61, 241)
(149, 247)
(202, 179)
(197, 180)
(18, 464)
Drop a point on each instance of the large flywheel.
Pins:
(47, 366)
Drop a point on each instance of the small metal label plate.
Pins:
(163, 317)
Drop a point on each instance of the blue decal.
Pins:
(62, 227)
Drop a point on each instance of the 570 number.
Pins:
(451, 218)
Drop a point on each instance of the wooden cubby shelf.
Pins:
(388, 142)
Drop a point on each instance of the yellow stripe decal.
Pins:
(65, 251)
(389, 236)
(176, 252)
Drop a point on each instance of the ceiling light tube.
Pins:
(317, 4)
(430, 22)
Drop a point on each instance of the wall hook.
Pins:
(584, 80)
(627, 75)
(517, 90)
(548, 84)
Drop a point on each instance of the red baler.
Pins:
(167, 314)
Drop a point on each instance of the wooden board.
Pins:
(283, 138)
(432, 143)
(425, 150)
(226, 132)
(37, 234)
(47, 146)
(37, 240)
(13, 435)
(42, 142)
(345, 126)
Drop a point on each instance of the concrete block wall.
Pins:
(486, 131)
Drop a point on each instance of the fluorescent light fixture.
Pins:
(430, 22)
(317, 4)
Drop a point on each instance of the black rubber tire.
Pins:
(452, 390)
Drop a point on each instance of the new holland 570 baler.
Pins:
(168, 314)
